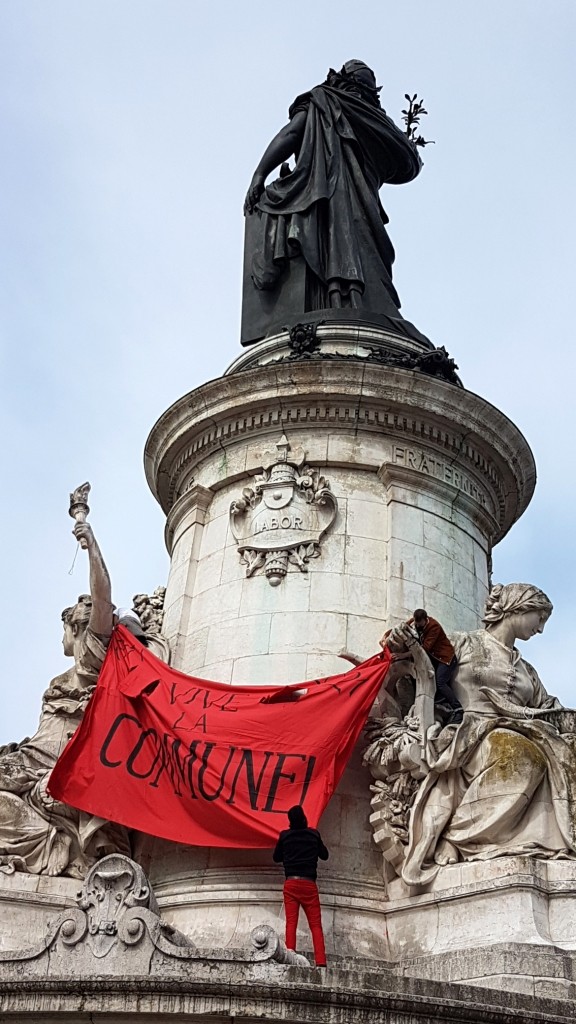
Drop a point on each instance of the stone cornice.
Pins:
(293, 994)
(399, 405)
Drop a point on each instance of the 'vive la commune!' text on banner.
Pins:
(208, 764)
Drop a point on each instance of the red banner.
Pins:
(208, 764)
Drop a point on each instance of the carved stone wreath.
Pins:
(281, 519)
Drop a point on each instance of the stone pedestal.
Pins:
(427, 477)
(478, 903)
(29, 904)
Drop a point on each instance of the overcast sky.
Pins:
(130, 131)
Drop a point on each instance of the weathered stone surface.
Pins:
(115, 928)
(281, 519)
(228, 991)
(39, 834)
(29, 904)
(476, 904)
(506, 966)
(441, 435)
(110, 949)
(422, 472)
(498, 784)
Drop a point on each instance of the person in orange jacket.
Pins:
(442, 655)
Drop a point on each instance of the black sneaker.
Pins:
(443, 711)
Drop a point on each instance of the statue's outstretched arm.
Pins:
(283, 145)
(100, 586)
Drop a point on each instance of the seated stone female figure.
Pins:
(504, 784)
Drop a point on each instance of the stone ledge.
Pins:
(513, 967)
(476, 905)
(40, 889)
(275, 992)
(466, 877)
(345, 339)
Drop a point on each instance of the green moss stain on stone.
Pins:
(512, 754)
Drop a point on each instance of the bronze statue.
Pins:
(316, 236)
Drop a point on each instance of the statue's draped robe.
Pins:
(327, 209)
(505, 784)
(30, 820)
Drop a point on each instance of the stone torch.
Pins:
(79, 507)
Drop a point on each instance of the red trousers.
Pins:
(302, 892)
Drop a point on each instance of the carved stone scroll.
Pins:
(116, 929)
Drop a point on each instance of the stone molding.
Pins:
(318, 339)
(193, 503)
(397, 407)
(471, 905)
(513, 966)
(111, 953)
(249, 992)
(348, 339)
(482, 511)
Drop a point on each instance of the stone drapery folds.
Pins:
(349, 150)
(500, 784)
(40, 835)
(316, 236)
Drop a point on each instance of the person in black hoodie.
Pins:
(298, 849)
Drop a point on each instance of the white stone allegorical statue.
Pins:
(38, 834)
(503, 783)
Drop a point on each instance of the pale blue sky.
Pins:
(130, 130)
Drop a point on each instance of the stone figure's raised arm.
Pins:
(101, 621)
(284, 145)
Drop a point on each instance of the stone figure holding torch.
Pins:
(101, 613)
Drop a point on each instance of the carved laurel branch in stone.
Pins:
(276, 563)
(281, 518)
(394, 785)
(394, 753)
(116, 928)
(150, 609)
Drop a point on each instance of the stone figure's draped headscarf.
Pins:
(513, 599)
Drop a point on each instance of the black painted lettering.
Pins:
(307, 778)
(253, 784)
(170, 763)
(131, 761)
(207, 767)
(113, 730)
(278, 775)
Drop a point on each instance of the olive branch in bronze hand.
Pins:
(411, 118)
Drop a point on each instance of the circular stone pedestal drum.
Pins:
(426, 477)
